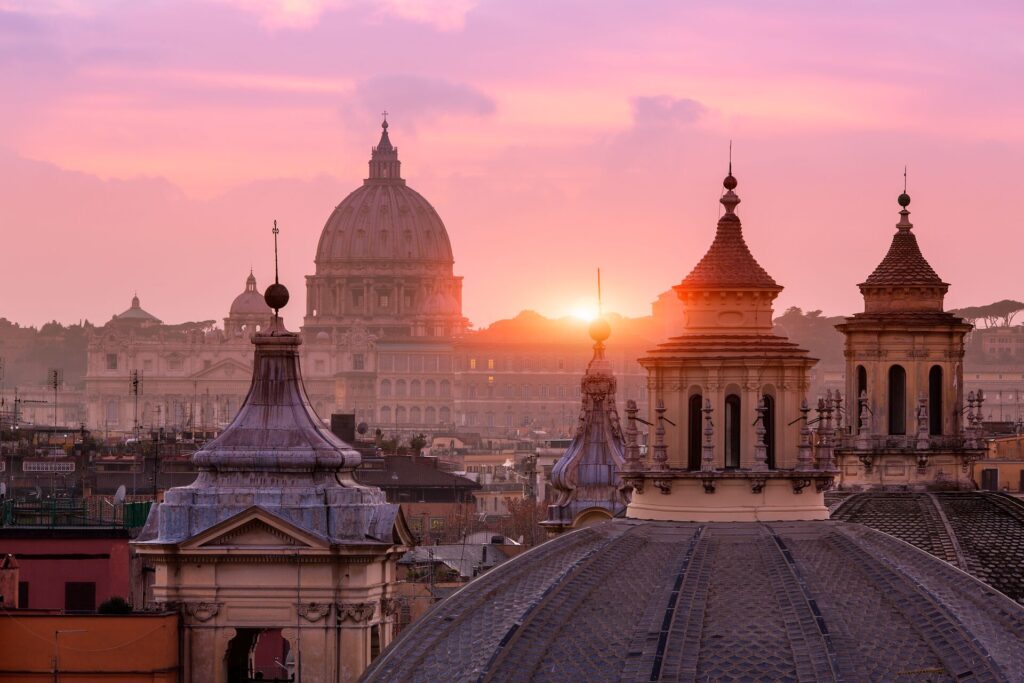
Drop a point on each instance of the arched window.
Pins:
(430, 388)
(400, 415)
(733, 426)
(769, 429)
(414, 388)
(385, 414)
(935, 400)
(430, 415)
(694, 431)
(400, 388)
(897, 400)
(385, 388)
(414, 415)
(862, 390)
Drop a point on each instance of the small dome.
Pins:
(135, 314)
(322, 336)
(249, 302)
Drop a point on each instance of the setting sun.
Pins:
(584, 311)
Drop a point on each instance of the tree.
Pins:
(115, 605)
(997, 314)
(523, 520)
(418, 443)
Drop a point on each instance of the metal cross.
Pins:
(275, 231)
(385, 114)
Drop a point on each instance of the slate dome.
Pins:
(631, 600)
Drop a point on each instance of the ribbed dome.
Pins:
(629, 600)
(249, 302)
(385, 219)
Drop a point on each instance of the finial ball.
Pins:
(904, 200)
(276, 296)
(600, 330)
(730, 182)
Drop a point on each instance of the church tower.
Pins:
(728, 411)
(904, 375)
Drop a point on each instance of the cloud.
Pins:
(665, 110)
(444, 15)
(414, 99)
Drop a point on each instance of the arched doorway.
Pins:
(259, 655)
(935, 400)
(694, 432)
(897, 400)
(769, 429)
(732, 431)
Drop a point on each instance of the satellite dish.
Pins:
(363, 428)
(119, 496)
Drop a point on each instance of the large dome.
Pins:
(631, 600)
(385, 219)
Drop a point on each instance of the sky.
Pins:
(147, 146)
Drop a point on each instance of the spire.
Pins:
(587, 476)
(384, 163)
(728, 263)
(904, 264)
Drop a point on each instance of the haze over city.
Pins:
(147, 147)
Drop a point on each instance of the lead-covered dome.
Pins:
(631, 600)
(385, 219)
(250, 302)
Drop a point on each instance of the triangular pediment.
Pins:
(229, 368)
(254, 529)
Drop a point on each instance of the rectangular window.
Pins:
(23, 595)
(387, 362)
(318, 365)
(147, 365)
(357, 299)
(80, 596)
(407, 300)
(383, 301)
(174, 364)
(111, 361)
(472, 363)
(357, 361)
(490, 363)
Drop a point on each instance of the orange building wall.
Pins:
(138, 647)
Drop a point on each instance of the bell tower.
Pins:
(904, 373)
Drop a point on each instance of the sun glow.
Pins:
(587, 312)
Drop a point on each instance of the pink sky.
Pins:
(147, 146)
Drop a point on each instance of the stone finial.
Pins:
(826, 459)
(707, 459)
(923, 443)
(864, 426)
(660, 449)
(838, 401)
(760, 447)
(633, 461)
(804, 458)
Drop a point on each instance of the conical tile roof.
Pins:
(904, 264)
(728, 263)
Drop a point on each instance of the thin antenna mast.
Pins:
(904, 179)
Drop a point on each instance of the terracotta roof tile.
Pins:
(904, 264)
